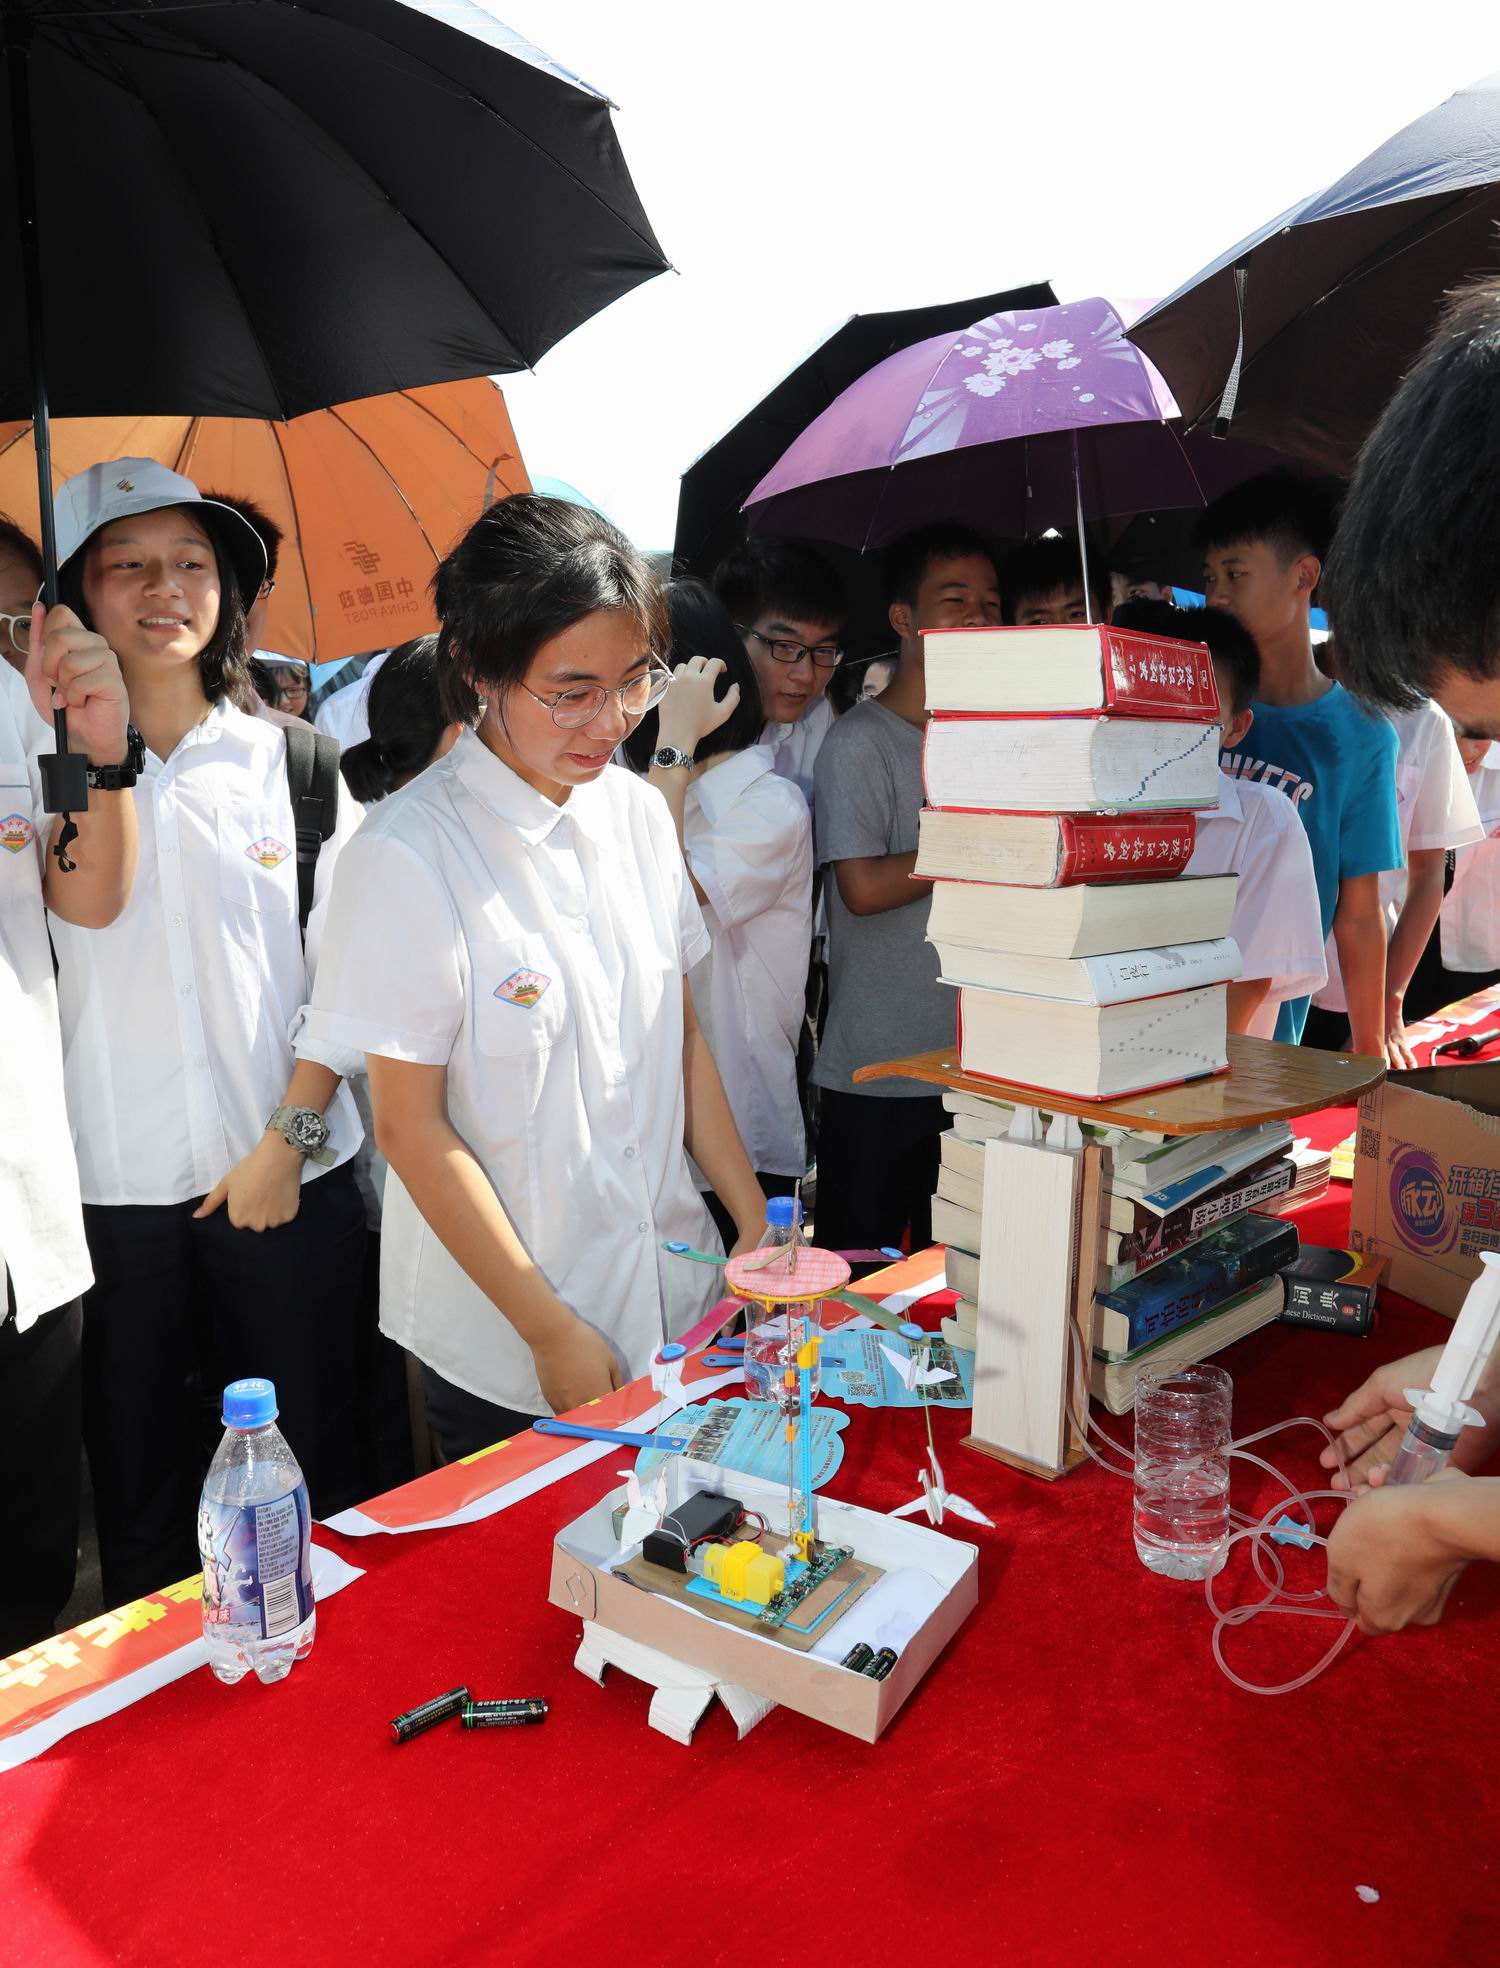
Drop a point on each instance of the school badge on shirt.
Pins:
(269, 853)
(523, 987)
(16, 832)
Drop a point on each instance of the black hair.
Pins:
(906, 561)
(223, 663)
(1235, 654)
(701, 626)
(1040, 569)
(1413, 586)
(1274, 510)
(762, 575)
(406, 722)
(528, 569)
(271, 535)
(16, 540)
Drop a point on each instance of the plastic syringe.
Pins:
(1441, 1412)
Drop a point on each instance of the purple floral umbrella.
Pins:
(1030, 419)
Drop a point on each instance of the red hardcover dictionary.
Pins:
(1065, 671)
(1098, 847)
(1052, 850)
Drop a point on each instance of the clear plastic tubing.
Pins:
(1263, 1553)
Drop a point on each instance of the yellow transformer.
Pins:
(744, 1572)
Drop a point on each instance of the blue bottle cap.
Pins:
(249, 1403)
(783, 1212)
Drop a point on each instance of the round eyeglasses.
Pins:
(18, 628)
(574, 708)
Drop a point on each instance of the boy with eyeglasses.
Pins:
(790, 607)
(878, 1150)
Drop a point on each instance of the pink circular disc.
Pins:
(766, 1274)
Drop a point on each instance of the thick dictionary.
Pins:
(1053, 850)
(1068, 669)
(1088, 764)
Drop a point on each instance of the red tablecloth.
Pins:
(1074, 1778)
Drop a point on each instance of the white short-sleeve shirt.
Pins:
(794, 748)
(1255, 834)
(537, 953)
(41, 1224)
(177, 1019)
(1469, 923)
(749, 843)
(1434, 808)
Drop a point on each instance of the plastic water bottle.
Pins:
(1182, 1439)
(255, 1540)
(775, 1334)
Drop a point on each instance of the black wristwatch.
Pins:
(120, 778)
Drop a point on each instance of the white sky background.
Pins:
(804, 160)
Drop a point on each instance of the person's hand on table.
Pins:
(1398, 1551)
(1399, 1057)
(573, 1363)
(1371, 1421)
(690, 711)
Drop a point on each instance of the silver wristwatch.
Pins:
(305, 1130)
(670, 755)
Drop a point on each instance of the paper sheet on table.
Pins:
(856, 1369)
(750, 1437)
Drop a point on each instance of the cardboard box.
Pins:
(821, 1689)
(1427, 1179)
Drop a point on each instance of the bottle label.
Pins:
(257, 1564)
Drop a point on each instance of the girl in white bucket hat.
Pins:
(214, 1167)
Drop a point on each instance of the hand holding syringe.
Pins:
(1437, 1419)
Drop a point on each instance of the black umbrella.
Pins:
(714, 488)
(1301, 332)
(260, 207)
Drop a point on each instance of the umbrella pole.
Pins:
(1083, 545)
(65, 785)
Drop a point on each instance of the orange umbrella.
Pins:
(370, 496)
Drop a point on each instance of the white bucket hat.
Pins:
(122, 487)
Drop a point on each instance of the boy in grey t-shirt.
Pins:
(878, 1143)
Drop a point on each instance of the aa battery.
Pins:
(502, 1714)
(881, 1665)
(858, 1657)
(415, 1720)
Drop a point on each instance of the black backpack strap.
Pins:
(312, 778)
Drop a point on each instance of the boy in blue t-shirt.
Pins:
(1263, 545)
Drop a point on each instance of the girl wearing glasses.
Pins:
(507, 945)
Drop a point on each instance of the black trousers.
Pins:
(283, 1303)
(877, 1169)
(39, 1472)
(770, 1185)
(465, 1423)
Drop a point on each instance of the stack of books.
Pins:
(1187, 1262)
(1063, 768)
(1312, 1172)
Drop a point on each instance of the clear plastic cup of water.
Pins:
(1182, 1440)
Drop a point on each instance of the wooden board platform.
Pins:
(1265, 1082)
